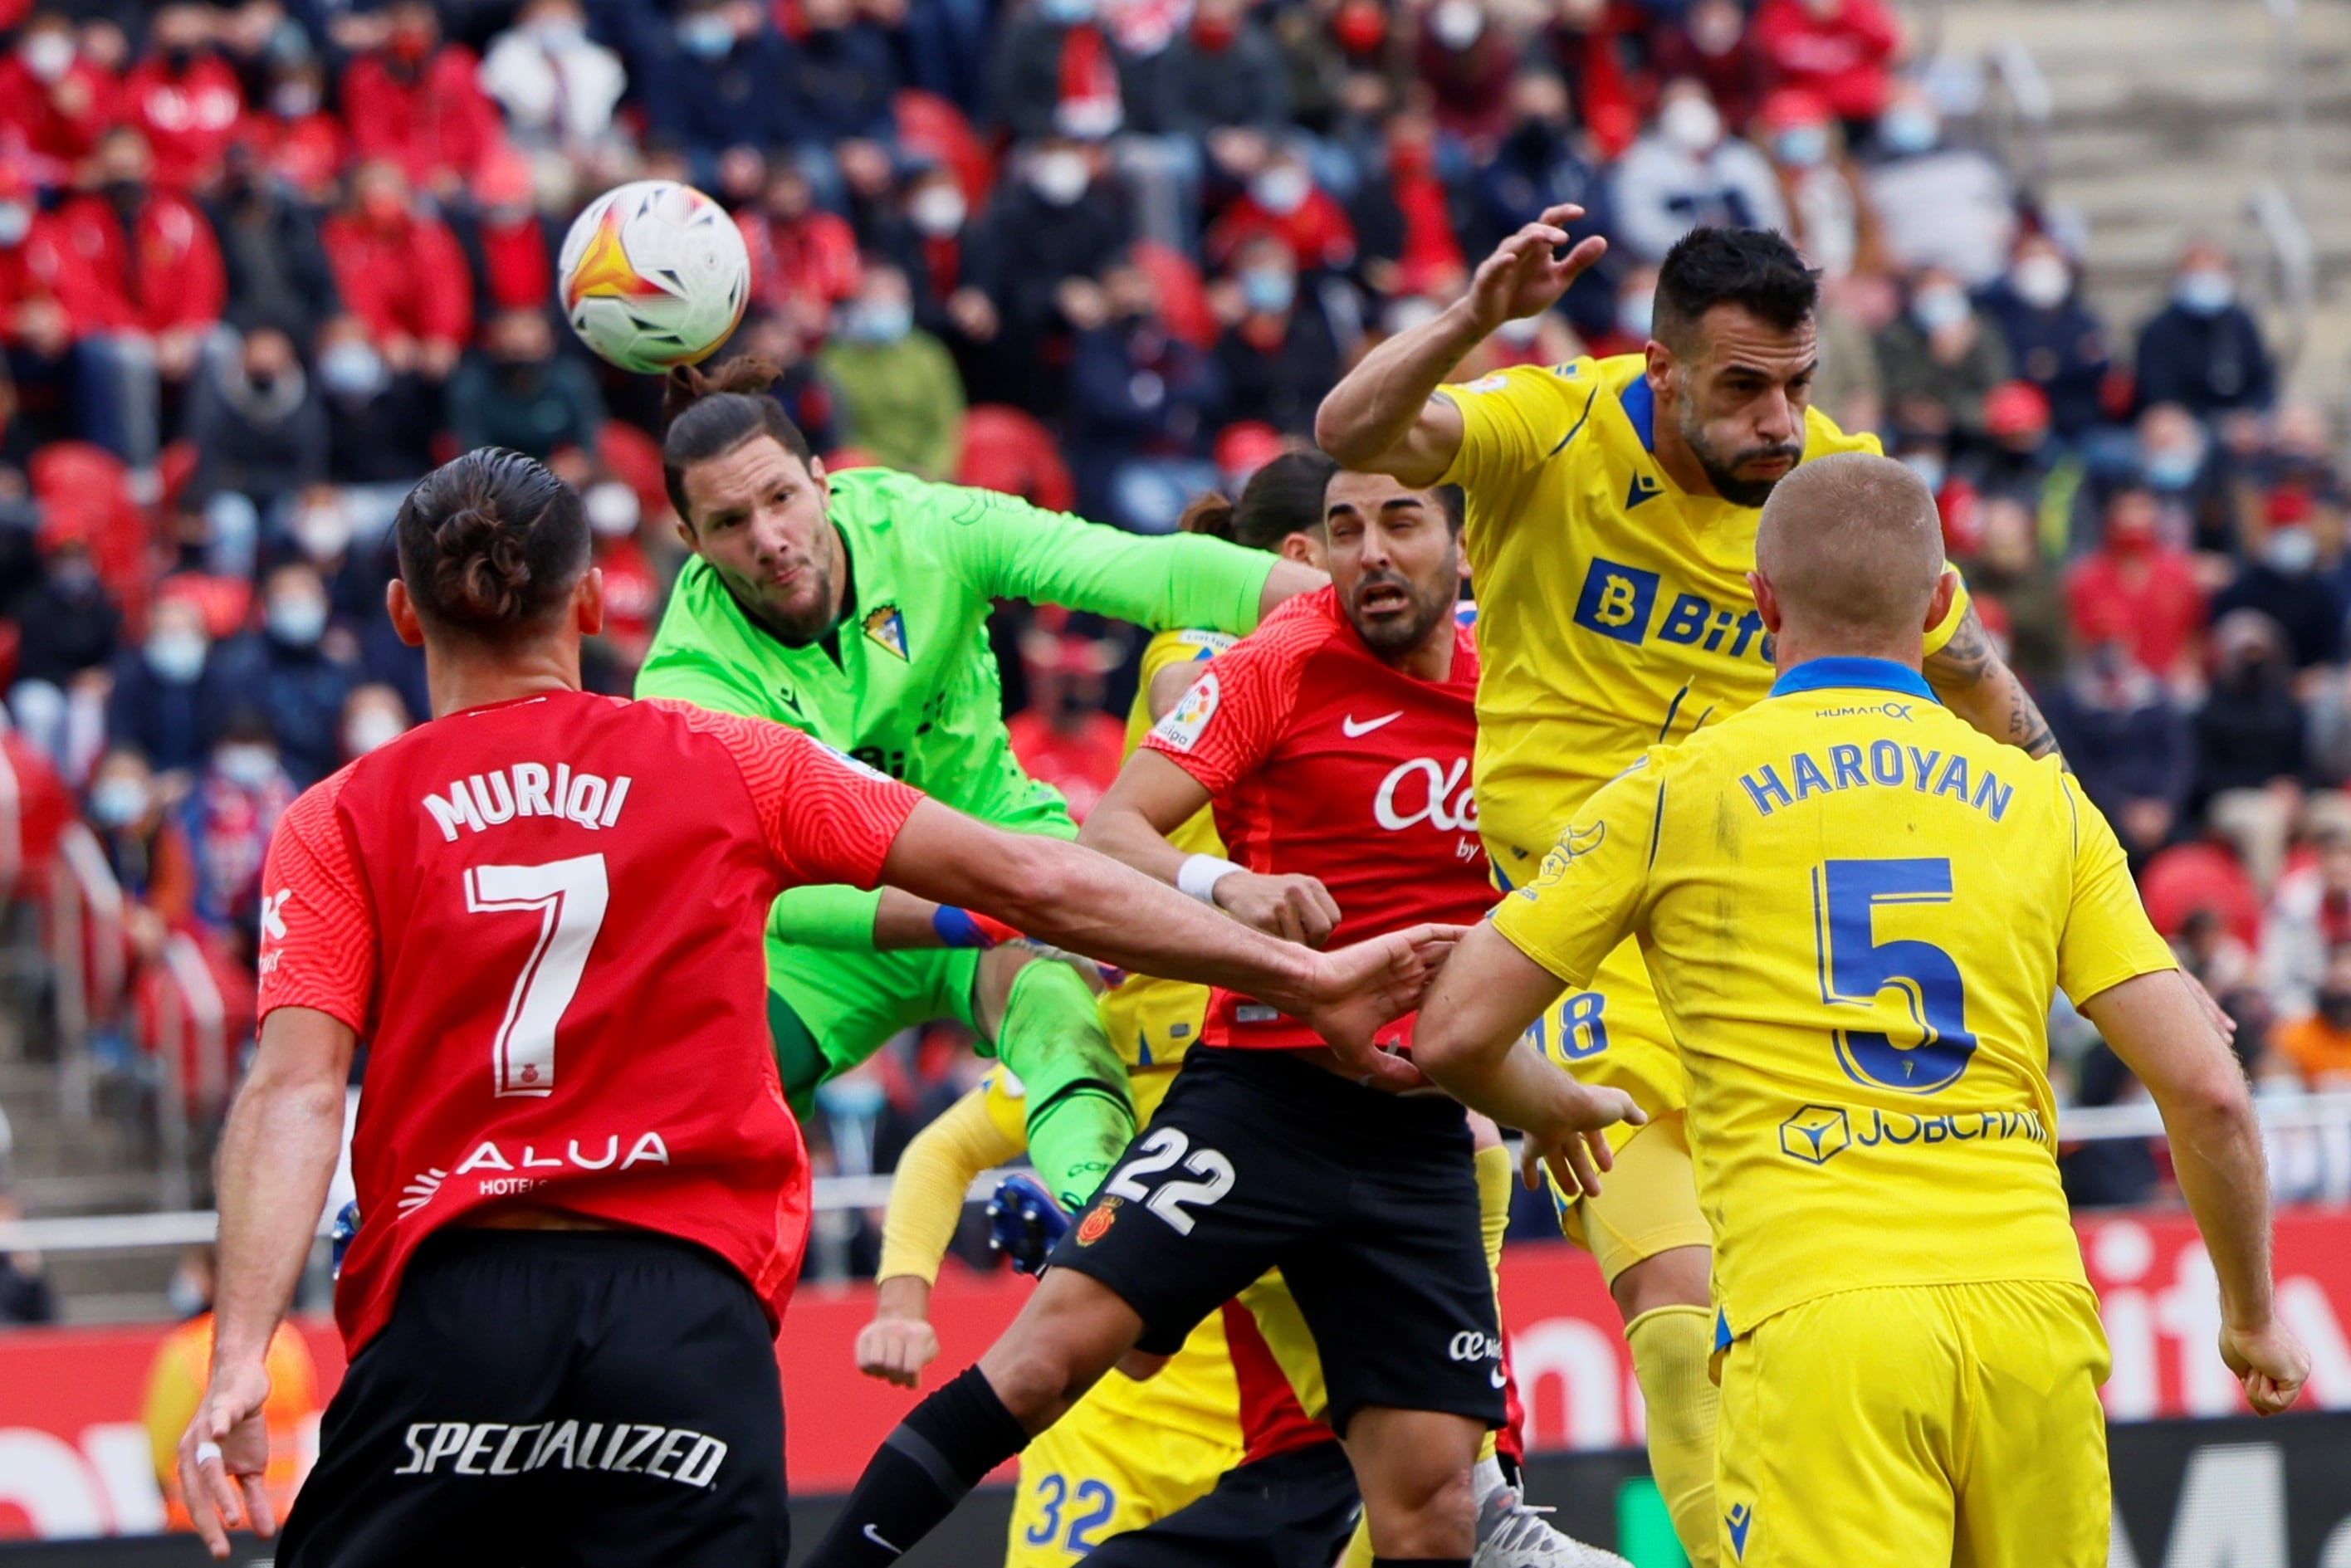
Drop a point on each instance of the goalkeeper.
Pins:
(854, 607)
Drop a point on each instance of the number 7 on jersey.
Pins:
(569, 897)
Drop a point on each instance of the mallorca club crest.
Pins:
(1097, 1222)
(887, 629)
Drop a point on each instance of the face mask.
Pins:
(1928, 465)
(117, 802)
(938, 211)
(371, 729)
(707, 37)
(2172, 468)
(322, 532)
(1690, 124)
(1281, 190)
(1635, 316)
(1935, 308)
(1066, 12)
(1061, 178)
(2204, 291)
(293, 99)
(2042, 281)
(1412, 310)
(1803, 146)
(48, 55)
(2291, 551)
(298, 620)
(351, 367)
(246, 765)
(177, 657)
(1268, 289)
(1458, 23)
(1908, 127)
(1520, 331)
(881, 323)
(16, 221)
(611, 508)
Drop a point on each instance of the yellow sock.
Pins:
(1497, 1173)
(1670, 1345)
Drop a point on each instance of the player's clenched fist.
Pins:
(1296, 908)
(895, 1350)
(2272, 1363)
(1525, 275)
(1576, 1149)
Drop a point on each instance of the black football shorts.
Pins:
(1292, 1510)
(601, 1398)
(1367, 1202)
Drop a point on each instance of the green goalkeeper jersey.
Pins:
(907, 681)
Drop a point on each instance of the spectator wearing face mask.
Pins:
(184, 98)
(519, 394)
(373, 717)
(2203, 350)
(1050, 224)
(843, 78)
(144, 848)
(2137, 591)
(323, 528)
(803, 258)
(1940, 360)
(293, 138)
(1141, 404)
(260, 433)
(2178, 460)
(2055, 339)
(557, 86)
(274, 265)
(2249, 743)
(288, 671)
(67, 635)
(510, 250)
(715, 83)
(1466, 63)
(418, 103)
(379, 422)
(2309, 917)
(163, 702)
(54, 100)
(2319, 1045)
(1283, 203)
(1064, 736)
(1686, 172)
(922, 237)
(401, 271)
(2010, 571)
(2126, 742)
(1543, 161)
(897, 385)
(633, 592)
(1223, 69)
(2284, 582)
(2017, 460)
(1832, 221)
(1056, 71)
(1938, 205)
(1841, 51)
(1277, 356)
(1713, 45)
(228, 815)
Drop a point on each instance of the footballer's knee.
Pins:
(1677, 1277)
(1074, 1330)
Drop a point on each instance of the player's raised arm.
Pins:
(1385, 415)
(925, 1204)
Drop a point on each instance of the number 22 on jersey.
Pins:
(569, 897)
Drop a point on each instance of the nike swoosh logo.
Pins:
(1354, 729)
(1501, 1378)
(874, 1536)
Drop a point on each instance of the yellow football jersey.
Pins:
(1154, 1021)
(1856, 910)
(1613, 606)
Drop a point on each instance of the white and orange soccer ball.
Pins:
(653, 274)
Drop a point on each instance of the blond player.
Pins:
(1612, 517)
(1856, 909)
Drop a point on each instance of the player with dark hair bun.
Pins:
(583, 1201)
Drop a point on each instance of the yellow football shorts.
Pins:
(1938, 1424)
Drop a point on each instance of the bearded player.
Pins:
(1612, 515)
(854, 606)
(1268, 1152)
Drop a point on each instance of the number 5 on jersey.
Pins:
(569, 897)
(1156, 1154)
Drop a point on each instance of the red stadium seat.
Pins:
(195, 1009)
(2185, 878)
(1007, 450)
(1183, 297)
(35, 807)
(87, 933)
(929, 127)
(86, 488)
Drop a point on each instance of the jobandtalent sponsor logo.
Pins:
(1816, 1134)
(621, 1447)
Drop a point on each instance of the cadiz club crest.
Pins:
(887, 628)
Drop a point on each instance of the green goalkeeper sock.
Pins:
(1081, 1115)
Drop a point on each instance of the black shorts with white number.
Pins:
(582, 1397)
(1367, 1203)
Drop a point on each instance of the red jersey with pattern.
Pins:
(1323, 760)
(544, 919)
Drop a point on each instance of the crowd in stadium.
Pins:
(262, 265)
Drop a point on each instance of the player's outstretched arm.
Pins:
(1383, 416)
(925, 1204)
(278, 1155)
(1086, 902)
(1153, 796)
(1470, 1041)
(2155, 1025)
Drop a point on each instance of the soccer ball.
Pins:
(653, 274)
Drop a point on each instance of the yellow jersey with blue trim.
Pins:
(1856, 910)
(1613, 611)
(1154, 1021)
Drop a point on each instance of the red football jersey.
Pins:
(1323, 760)
(544, 918)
